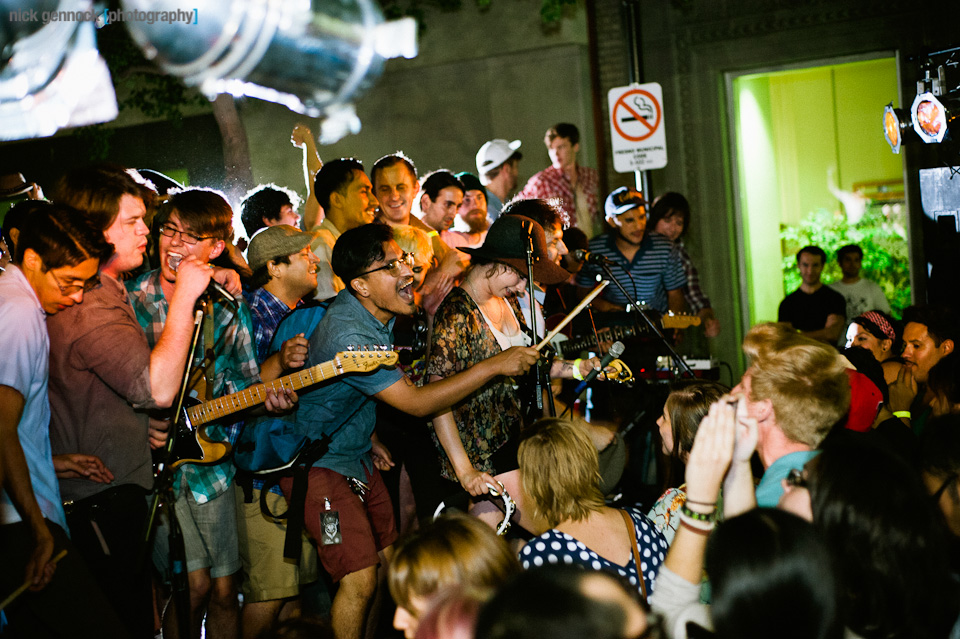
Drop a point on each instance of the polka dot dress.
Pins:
(555, 547)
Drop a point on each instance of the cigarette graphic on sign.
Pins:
(636, 127)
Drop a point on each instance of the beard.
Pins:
(476, 221)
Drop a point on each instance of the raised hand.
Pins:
(712, 452)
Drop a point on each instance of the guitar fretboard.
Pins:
(256, 395)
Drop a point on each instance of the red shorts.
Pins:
(366, 527)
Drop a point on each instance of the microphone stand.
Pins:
(653, 325)
(163, 491)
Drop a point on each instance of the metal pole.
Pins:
(631, 15)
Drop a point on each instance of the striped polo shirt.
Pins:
(656, 268)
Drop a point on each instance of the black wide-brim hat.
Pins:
(507, 242)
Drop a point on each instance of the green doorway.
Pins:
(812, 167)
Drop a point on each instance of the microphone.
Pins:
(583, 255)
(213, 286)
(615, 351)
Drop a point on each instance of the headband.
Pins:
(880, 322)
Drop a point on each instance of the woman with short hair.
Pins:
(453, 550)
(560, 476)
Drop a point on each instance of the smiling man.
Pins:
(815, 310)
(103, 372)
(379, 287)
(930, 334)
(284, 272)
(346, 196)
(441, 197)
(645, 263)
(576, 186)
(57, 258)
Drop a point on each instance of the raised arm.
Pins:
(169, 356)
(302, 138)
(709, 460)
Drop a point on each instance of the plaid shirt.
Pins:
(266, 311)
(696, 299)
(235, 369)
(554, 183)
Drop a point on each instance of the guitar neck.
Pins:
(255, 395)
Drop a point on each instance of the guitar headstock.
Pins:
(679, 320)
(364, 359)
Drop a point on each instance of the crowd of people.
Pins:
(386, 349)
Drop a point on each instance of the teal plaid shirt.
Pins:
(235, 369)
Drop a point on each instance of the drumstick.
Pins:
(576, 311)
(19, 591)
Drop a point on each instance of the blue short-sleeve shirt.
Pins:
(344, 408)
(655, 269)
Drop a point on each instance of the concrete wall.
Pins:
(479, 75)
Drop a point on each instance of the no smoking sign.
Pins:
(636, 127)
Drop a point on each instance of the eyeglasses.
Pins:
(952, 477)
(168, 230)
(393, 267)
(797, 478)
(73, 289)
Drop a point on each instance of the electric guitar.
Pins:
(191, 444)
(572, 347)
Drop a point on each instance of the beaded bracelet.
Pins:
(577, 375)
(710, 516)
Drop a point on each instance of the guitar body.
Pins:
(192, 445)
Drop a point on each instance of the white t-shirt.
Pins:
(861, 296)
(25, 368)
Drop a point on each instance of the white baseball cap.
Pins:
(494, 153)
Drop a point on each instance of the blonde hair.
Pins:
(413, 240)
(805, 381)
(452, 550)
(560, 471)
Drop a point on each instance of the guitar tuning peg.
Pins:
(350, 347)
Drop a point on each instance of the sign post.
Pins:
(636, 127)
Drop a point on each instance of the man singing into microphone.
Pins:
(195, 225)
(645, 264)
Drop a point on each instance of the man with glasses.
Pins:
(57, 258)
(379, 287)
(103, 373)
(195, 226)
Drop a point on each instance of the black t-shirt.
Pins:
(809, 311)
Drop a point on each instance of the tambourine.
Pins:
(509, 507)
(623, 372)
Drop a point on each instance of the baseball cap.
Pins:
(494, 153)
(272, 242)
(622, 200)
